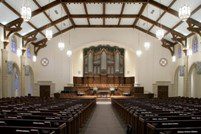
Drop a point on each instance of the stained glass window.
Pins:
(179, 52)
(13, 44)
(28, 53)
(195, 44)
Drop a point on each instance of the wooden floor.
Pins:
(104, 120)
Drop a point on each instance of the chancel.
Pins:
(100, 66)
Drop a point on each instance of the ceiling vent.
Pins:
(56, 12)
(152, 11)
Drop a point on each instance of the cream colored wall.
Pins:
(146, 69)
(195, 57)
(12, 57)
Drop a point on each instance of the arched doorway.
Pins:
(29, 80)
(15, 81)
(178, 83)
(194, 81)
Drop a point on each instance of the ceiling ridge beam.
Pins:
(68, 13)
(122, 10)
(170, 5)
(46, 14)
(139, 14)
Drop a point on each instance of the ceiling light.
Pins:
(138, 53)
(19, 52)
(147, 45)
(61, 46)
(48, 34)
(184, 12)
(173, 58)
(69, 53)
(34, 58)
(160, 33)
(26, 13)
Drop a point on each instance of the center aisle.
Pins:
(104, 121)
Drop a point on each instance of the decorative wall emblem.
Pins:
(198, 67)
(44, 61)
(181, 71)
(163, 62)
(195, 44)
(10, 67)
(13, 44)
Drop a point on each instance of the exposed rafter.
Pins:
(68, 14)
(86, 12)
(139, 14)
(122, 10)
(10, 28)
(18, 14)
(104, 6)
(29, 39)
(163, 14)
(104, 1)
(39, 45)
(179, 40)
(168, 45)
(46, 7)
(45, 14)
(194, 26)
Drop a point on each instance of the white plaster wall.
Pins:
(146, 69)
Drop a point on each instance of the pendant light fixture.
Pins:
(34, 58)
(48, 32)
(173, 58)
(138, 51)
(160, 32)
(26, 12)
(69, 52)
(184, 12)
(147, 44)
(61, 44)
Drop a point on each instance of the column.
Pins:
(22, 68)
(4, 73)
(185, 93)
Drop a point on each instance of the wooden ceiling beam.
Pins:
(46, 7)
(163, 14)
(103, 16)
(46, 14)
(68, 13)
(160, 25)
(122, 10)
(86, 12)
(18, 14)
(179, 23)
(47, 26)
(103, 1)
(104, 26)
(140, 14)
(104, 6)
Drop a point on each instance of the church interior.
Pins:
(100, 66)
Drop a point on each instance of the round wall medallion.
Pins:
(44, 61)
(163, 62)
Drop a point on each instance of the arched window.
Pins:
(195, 44)
(13, 44)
